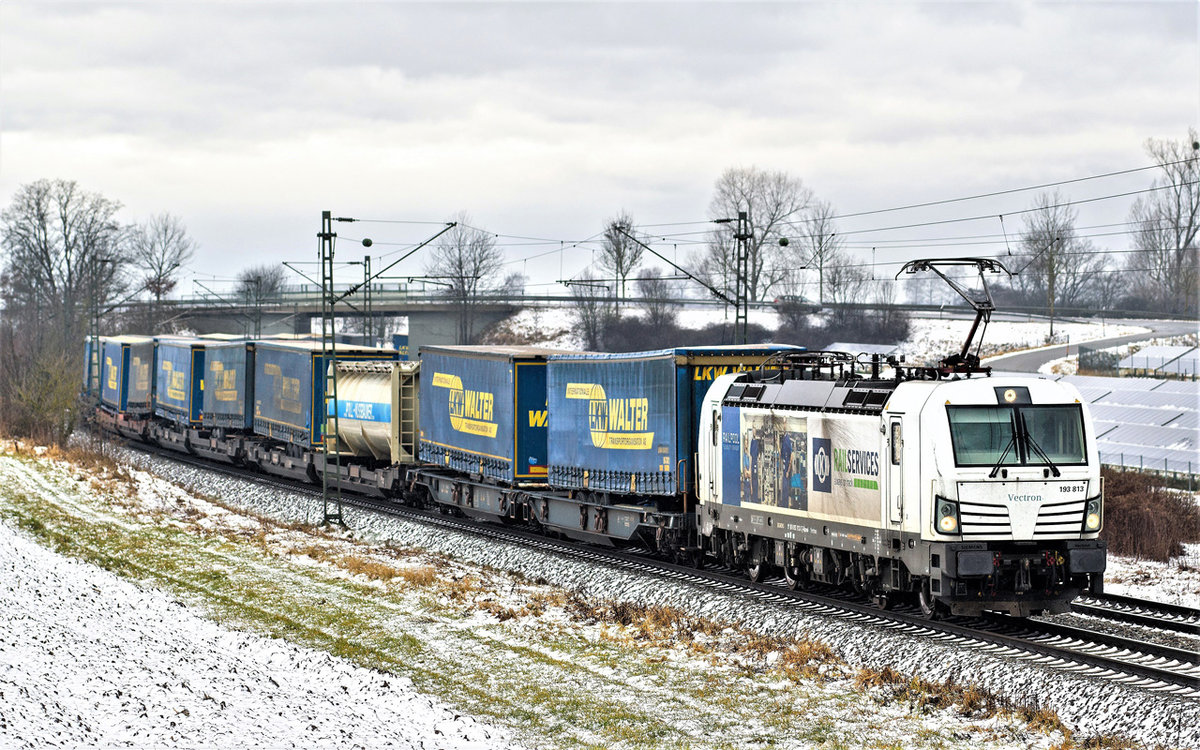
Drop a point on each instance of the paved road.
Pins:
(1031, 361)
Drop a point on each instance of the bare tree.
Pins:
(513, 284)
(262, 282)
(619, 253)
(256, 285)
(772, 200)
(467, 261)
(1058, 267)
(815, 245)
(1109, 287)
(1167, 221)
(657, 299)
(846, 283)
(64, 249)
(591, 310)
(64, 255)
(159, 248)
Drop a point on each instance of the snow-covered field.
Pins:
(89, 659)
(432, 630)
(1171, 582)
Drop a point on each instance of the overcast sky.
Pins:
(544, 120)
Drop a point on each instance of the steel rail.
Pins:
(1157, 615)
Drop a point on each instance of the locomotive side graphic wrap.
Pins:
(796, 462)
(765, 459)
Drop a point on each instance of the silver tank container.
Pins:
(377, 414)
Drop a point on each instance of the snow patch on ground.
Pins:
(89, 659)
(1172, 582)
(1061, 366)
(934, 338)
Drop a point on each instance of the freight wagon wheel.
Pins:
(930, 607)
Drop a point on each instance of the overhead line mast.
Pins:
(326, 239)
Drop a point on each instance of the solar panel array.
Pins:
(1144, 423)
(1171, 360)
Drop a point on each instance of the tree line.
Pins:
(69, 262)
(795, 256)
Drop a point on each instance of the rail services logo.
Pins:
(619, 423)
(822, 465)
(470, 411)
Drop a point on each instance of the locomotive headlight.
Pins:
(1093, 517)
(946, 515)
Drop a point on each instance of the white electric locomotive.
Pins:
(971, 494)
(964, 491)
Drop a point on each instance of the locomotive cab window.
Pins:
(1016, 435)
(1057, 430)
(897, 443)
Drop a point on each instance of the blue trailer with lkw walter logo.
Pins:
(126, 384)
(229, 385)
(179, 378)
(483, 410)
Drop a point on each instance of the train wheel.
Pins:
(757, 568)
(930, 607)
(797, 577)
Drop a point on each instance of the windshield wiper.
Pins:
(1012, 441)
(1037, 448)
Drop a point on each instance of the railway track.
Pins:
(1077, 650)
(1140, 612)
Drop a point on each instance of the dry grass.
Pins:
(1143, 519)
(420, 576)
(969, 700)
